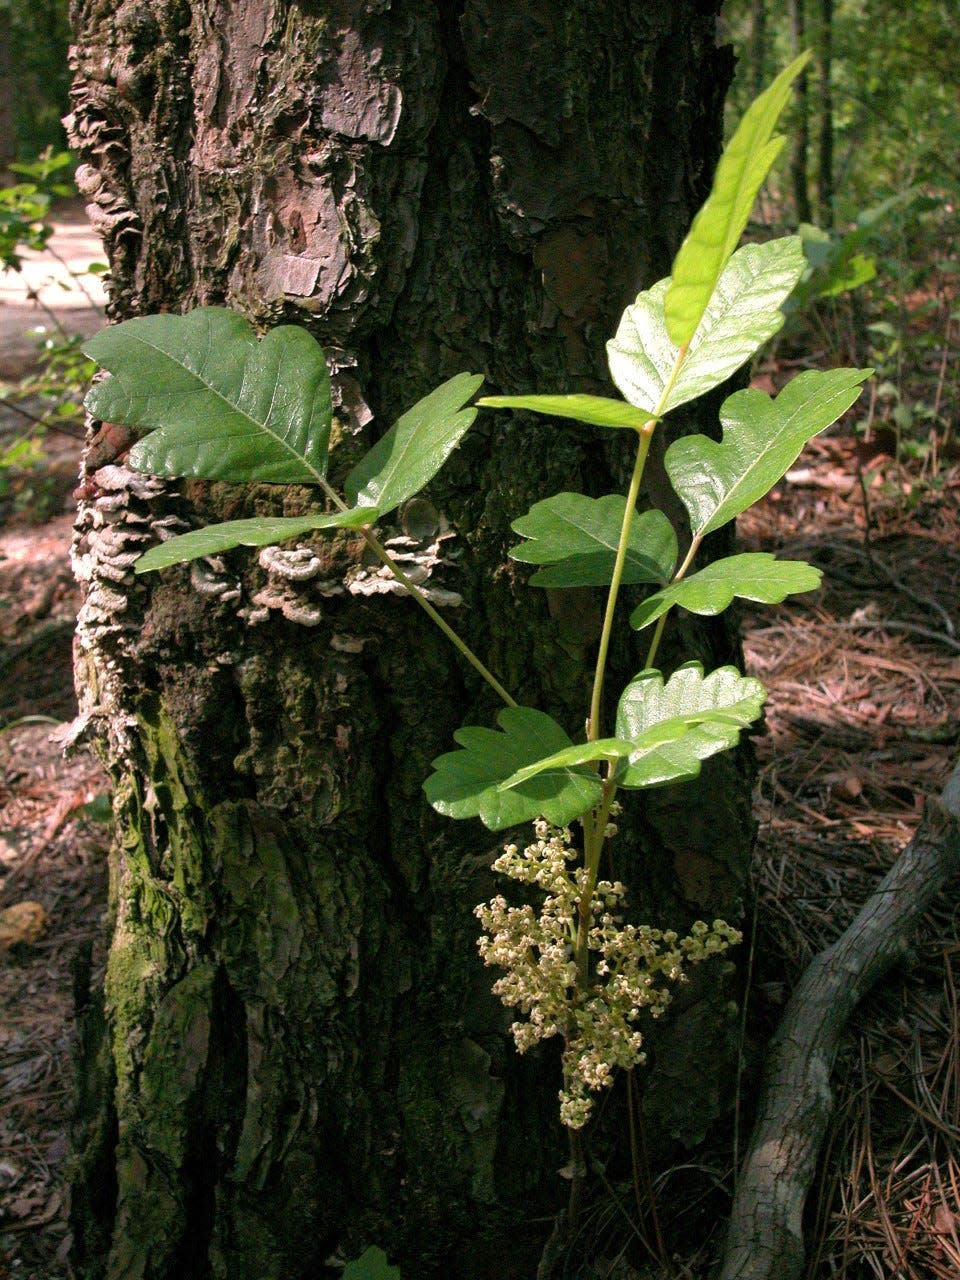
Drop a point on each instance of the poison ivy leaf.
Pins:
(762, 438)
(217, 402)
(258, 531)
(581, 753)
(743, 313)
(577, 536)
(415, 448)
(371, 1265)
(752, 576)
(466, 783)
(677, 725)
(597, 411)
(745, 163)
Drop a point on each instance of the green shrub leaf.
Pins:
(218, 403)
(745, 163)
(677, 725)
(466, 783)
(371, 1265)
(762, 438)
(415, 448)
(597, 411)
(743, 313)
(258, 531)
(755, 575)
(577, 537)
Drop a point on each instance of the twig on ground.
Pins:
(765, 1240)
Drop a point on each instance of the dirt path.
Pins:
(53, 841)
(56, 281)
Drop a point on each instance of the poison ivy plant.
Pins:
(218, 403)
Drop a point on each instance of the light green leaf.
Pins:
(577, 536)
(743, 313)
(745, 163)
(466, 783)
(762, 438)
(677, 725)
(597, 411)
(218, 403)
(415, 448)
(755, 575)
(371, 1265)
(258, 531)
(582, 753)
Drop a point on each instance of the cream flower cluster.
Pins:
(629, 971)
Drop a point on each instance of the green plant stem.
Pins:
(662, 620)
(384, 556)
(646, 435)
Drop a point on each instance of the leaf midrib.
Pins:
(260, 427)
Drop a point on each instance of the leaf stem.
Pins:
(646, 435)
(662, 620)
(384, 556)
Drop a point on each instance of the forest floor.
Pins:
(863, 723)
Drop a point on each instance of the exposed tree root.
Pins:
(765, 1240)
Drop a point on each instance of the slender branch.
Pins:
(662, 620)
(384, 556)
(593, 724)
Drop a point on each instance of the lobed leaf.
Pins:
(678, 724)
(751, 576)
(578, 536)
(743, 314)
(716, 229)
(466, 783)
(258, 531)
(218, 403)
(415, 448)
(762, 438)
(596, 411)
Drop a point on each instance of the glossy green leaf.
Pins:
(581, 753)
(258, 531)
(415, 448)
(676, 725)
(578, 536)
(762, 438)
(754, 575)
(371, 1265)
(218, 403)
(743, 314)
(596, 411)
(466, 783)
(745, 163)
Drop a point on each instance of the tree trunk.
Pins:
(296, 1050)
(825, 165)
(8, 137)
(801, 133)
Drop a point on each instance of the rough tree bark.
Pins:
(295, 1049)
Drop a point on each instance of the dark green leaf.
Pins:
(755, 575)
(578, 536)
(466, 783)
(218, 403)
(371, 1265)
(415, 447)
